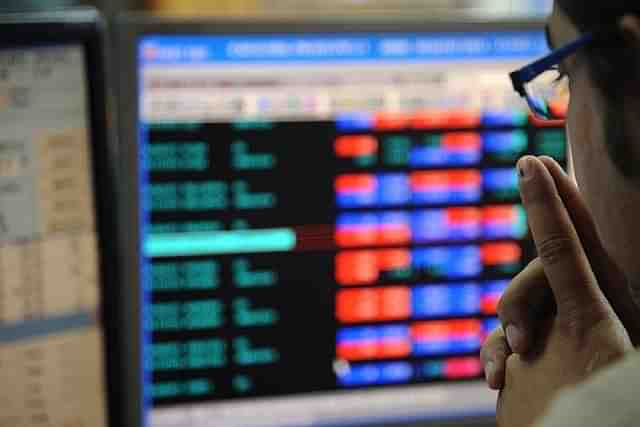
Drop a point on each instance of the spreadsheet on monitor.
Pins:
(51, 342)
(328, 221)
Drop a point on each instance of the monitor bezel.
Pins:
(86, 27)
(131, 27)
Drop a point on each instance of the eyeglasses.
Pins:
(542, 84)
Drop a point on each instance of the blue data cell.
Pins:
(506, 222)
(463, 194)
(450, 149)
(394, 218)
(428, 156)
(395, 373)
(358, 220)
(394, 333)
(362, 375)
(354, 122)
(450, 263)
(505, 145)
(437, 346)
(446, 300)
(357, 191)
(430, 226)
(504, 118)
(377, 374)
(501, 183)
(437, 225)
(358, 335)
(394, 190)
(490, 325)
(497, 287)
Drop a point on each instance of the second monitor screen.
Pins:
(52, 364)
(329, 212)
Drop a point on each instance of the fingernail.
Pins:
(525, 168)
(515, 338)
(490, 371)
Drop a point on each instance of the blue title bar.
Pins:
(315, 48)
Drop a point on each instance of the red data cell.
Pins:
(429, 120)
(373, 305)
(395, 303)
(362, 182)
(360, 237)
(462, 327)
(365, 350)
(361, 268)
(445, 329)
(465, 177)
(394, 234)
(394, 259)
(467, 367)
(445, 120)
(391, 349)
(462, 140)
(357, 268)
(358, 306)
(391, 121)
(464, 119)
(356, 146)
(500, 214)
(501, 253)
(464, 215)
(489, 305)
(432, 179)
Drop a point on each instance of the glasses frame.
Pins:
(527, 74)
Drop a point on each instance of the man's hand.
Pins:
(584, 334)
(529, 300)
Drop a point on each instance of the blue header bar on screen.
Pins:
(340, 48)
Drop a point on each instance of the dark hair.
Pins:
(612, 60)
(614, 65)
(589, 15)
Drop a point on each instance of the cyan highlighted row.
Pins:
(220, 242)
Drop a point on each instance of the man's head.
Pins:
(604, 116)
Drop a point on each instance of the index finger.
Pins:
(564, 260)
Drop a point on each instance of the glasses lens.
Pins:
(548, 96)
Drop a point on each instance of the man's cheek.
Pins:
(579, 137)
(585, 129)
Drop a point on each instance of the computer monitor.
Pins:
(327, 215)
(58, 260)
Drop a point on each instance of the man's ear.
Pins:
(629, 26)
(629, 31)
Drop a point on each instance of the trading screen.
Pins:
(51, 359)
(329, 215)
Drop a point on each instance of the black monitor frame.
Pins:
(85, 27)
(130, 28)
